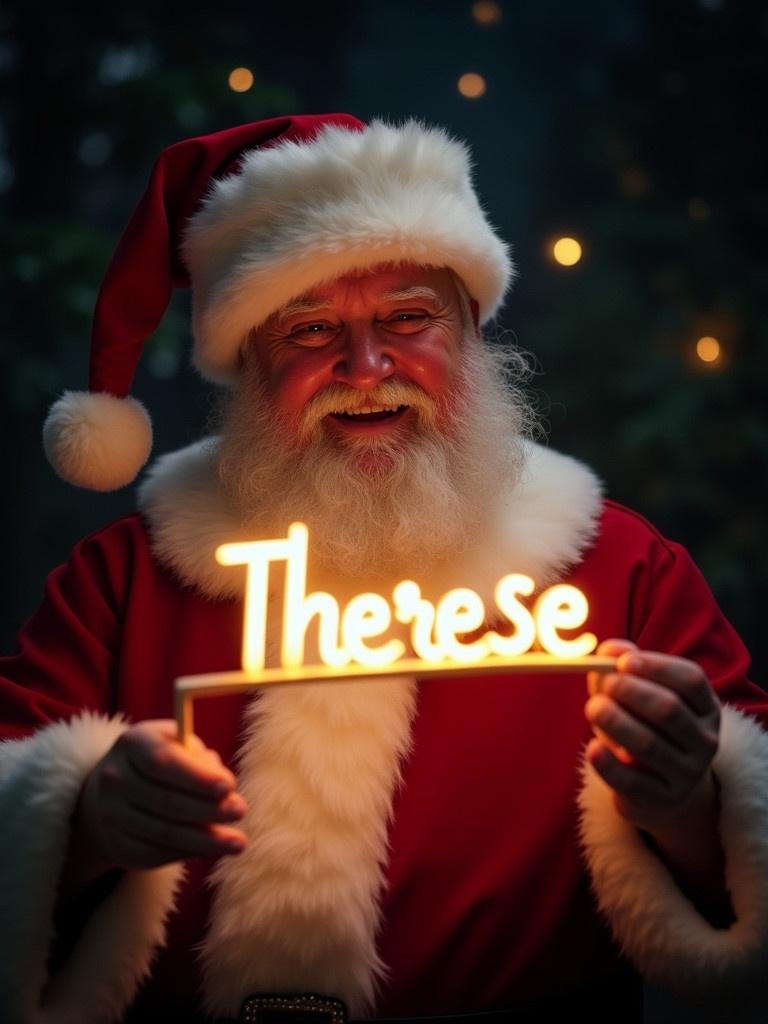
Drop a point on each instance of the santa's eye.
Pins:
(314, 332)
(406, 321)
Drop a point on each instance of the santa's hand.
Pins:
(151, 801)
(656, 722)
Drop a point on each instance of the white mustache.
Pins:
(390, 394)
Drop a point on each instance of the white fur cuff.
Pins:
(655, 924)
(40, 780)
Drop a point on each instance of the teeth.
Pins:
(367, 409)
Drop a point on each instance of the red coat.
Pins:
(486, 898)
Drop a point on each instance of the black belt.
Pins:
(285, 1008)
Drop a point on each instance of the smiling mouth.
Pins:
(369, 414)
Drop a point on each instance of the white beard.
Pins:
(380, 508)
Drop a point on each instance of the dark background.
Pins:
(634, 126)
(637, 127)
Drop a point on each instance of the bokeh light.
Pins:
(240, 79)
(486, 12)
(472, 85)
(566, 251)
(708, 349)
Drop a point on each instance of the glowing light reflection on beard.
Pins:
(431, 485)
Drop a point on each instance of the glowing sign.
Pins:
(353, 642)
(355, 636)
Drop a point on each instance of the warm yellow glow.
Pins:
(563, 607)
(256, 555)
(460, 611)
(345, 638)
(214, 684)
(486, 12)
(516, 613)
(472, 85)
(708, 349)
(410, 606)
(369, 615)
(567, 251)
(240, 79)
(300, 608)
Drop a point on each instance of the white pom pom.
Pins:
(96, 440)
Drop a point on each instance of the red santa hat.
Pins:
(252, 218)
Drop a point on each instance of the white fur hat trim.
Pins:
(299, 214)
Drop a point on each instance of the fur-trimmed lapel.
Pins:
(300, 909)
(541, 527)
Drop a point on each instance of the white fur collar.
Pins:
(541, 527)
(300, 909)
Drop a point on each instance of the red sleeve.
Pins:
(67, 652)
(673, 610)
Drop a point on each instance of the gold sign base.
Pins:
(214, 684)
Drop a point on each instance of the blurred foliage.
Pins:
(664, 183)
(51, 274)
(89, 98)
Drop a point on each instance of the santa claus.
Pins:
(404, 848)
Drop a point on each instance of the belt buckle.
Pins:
(285, 1008)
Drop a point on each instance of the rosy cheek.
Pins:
(432, 366)
(296, 380)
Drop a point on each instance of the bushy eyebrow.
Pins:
(406, 294)
(308, 306)
(302, 306)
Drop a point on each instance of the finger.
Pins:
(685, 677)
(615, 646)
(166, 729)
(611, 649)
(156, 759)
(616, 750)
(174, 805)
(176, 840)
(196, 745)
(664, 712)
(139, 854)
(645, 746)
(631, 782)
(136, 854)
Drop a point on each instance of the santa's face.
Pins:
(363, 358)
(373, 411)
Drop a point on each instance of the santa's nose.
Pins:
(365, 359)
